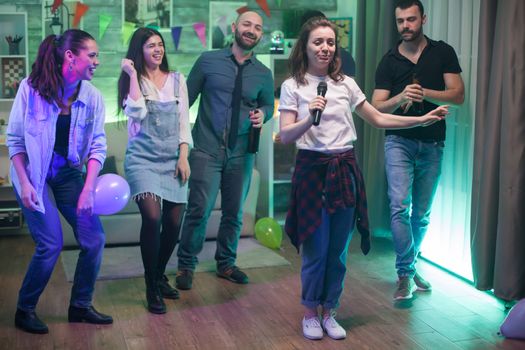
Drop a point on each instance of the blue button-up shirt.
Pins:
(213, 77)
(32, 129)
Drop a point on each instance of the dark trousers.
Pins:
(232, 175)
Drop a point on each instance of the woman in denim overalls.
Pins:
(156, 103)
(56, 128)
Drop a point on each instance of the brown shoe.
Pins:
(422, 284)
(233, 274)
(405, 288)
(184, 279)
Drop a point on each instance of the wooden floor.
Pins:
(264, 314)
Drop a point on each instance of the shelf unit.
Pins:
(13, 68)
(13, 58)
(275, 161)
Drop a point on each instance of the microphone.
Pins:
(321, 91)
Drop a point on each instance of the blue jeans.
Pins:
(232, 175)
(413, 168)
(324, 260)
(66, 184)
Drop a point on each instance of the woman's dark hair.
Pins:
(46, 72)
(298, 61)
(135, 54)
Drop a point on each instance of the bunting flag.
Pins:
(127, 30)
(242, 10)
(55, 5)
(153, 26)
(175, 34)
(200, 29)
(103, 23)
(264, 5)
(80, 11)
(223, 26)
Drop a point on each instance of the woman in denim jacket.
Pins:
(56, 130)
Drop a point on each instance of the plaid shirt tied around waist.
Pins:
(317, 173)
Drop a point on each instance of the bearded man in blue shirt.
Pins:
(236, 93)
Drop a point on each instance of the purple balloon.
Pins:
(514, 324)
(111, 194)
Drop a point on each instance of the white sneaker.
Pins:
(312, 328)
(333, 329)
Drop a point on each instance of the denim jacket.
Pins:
(32, 129)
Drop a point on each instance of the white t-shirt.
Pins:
(336, 131)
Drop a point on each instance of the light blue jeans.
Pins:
(413, 168)
(324, 260)
(66, 184)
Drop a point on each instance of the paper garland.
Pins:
(175, 34)
(80, 11)
(56, 4)
(200, 30)
(223, 26)
(263, 4)
(103, 23)
(127, 30)
(242, 10)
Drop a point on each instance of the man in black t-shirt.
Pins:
(412, 78)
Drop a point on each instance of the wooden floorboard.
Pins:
(265, 314)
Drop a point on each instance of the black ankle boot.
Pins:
(87, 315)
(28, 321)
(166, 290)
(154, 299)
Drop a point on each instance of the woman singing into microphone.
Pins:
(328, 193)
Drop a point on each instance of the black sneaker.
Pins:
(28, 321)
(184, 279)
(167, 291)
(233, 274)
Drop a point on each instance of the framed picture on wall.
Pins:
(12, 71)
(222, 15)
(344, 27)
(148, 12)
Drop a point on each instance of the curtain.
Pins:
(448, 238)
(498, 191)
(375, 34)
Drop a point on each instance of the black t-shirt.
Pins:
(62, 134)
(347, 63)
(395, 71)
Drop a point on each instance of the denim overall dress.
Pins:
(152, 155)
